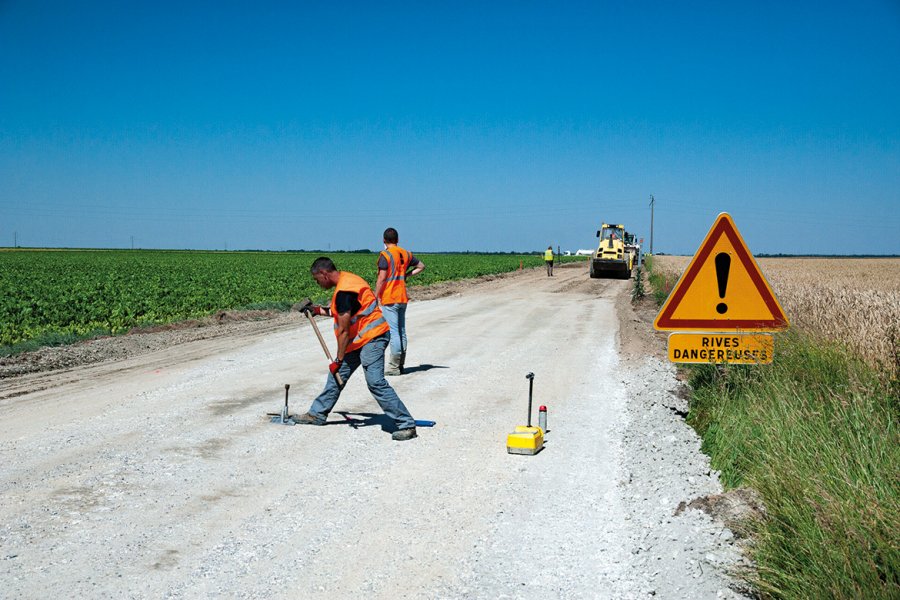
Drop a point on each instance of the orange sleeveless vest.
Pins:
(394, 290)
(368, 323)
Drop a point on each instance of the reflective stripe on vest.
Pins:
(368, 323)
(394, 289)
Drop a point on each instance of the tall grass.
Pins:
(816, 434)
(661, 280)
(637, 290)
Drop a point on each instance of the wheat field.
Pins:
(855, 301)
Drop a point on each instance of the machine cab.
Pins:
(611, 232)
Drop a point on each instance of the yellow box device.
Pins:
(525, 440)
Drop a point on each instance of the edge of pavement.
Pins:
(666, 472)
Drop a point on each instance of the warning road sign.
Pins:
(722, 289)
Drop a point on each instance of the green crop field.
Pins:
(64, 294)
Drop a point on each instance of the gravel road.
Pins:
(158, 476)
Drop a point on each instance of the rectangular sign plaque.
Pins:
(718, 348)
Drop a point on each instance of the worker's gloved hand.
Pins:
(335, 366)
(314, 309)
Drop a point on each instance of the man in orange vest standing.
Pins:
(362, 336)
(390, 288)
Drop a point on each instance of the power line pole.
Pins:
(652, 200)
(15, 239)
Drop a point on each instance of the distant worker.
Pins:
(390, 288)
(548, 258)
(362, 336)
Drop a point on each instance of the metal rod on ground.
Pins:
(283, 417)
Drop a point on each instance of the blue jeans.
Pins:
(395, 315)
(371, 357)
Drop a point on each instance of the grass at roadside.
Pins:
(661, 282)
(816, 434)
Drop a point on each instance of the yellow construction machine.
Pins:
(612, 258)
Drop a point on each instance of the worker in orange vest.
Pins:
(394, 264)
(362, 336)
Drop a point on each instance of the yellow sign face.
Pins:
(732, 348)
(722, 289)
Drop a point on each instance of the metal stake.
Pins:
(284, 417)
(285, 413)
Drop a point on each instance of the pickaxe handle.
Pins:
(337, 376)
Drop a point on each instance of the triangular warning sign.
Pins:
(722, 289)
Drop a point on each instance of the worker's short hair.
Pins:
(323, 263)
(391, 236)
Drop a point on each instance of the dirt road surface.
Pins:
(158, 476)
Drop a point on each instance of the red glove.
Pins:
(334, 366)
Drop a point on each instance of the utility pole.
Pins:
(652, 200)
(558, 259)
(132, 242)
(15, 239)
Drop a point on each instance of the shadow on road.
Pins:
(367, 420)
(370, 419)
(423, 367)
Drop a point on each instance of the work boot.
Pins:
(404, 434)
(402, 361)
(393, 366)
(308, 419)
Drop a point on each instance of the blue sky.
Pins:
(465, 125)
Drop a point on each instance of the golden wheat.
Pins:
(855, 301)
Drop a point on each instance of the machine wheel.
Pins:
(594, 274)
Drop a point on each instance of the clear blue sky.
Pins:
(465, 125)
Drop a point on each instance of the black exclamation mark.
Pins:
(723, 265)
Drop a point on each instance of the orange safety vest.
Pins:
(394, 290)
(368, 323)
